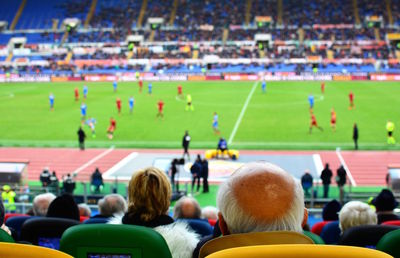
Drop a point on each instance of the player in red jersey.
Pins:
(351, 98)
(76, 94)
(111, 128)
(180, 94)
(119, 105)
(323, 87)
(333, 120)
(160, 105)
(140, 86)
(314, 123)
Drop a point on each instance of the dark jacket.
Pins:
(326, 176)
(196, 168)
(341, 176)
(81, 135)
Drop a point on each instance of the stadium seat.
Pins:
(201, 227)
(365, 236)
(5, 237)
(331, 233)
(317, 228)
(299, 251)
(82, 240)
(29, 251)
(389, 243)
(45, 231)
(10, 215)
(392, 222)
(314, 237)
(96, 221)
(250, 239)
(210, 154)
(17, 222)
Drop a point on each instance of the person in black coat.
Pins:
(341, 181)
(81, 138)
(204, 174)
(195, 170)
(326, 176)
(355, 136)
(185, 144)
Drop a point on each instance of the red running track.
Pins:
(366, 167)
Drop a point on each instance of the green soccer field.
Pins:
(248, 118)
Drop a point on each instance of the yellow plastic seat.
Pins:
(29, 251)
(252, 239)
(299, 251)
(210, 154)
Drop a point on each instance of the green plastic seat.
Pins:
(389, 243)
(314, 237)
(89, 240)
(5, 237)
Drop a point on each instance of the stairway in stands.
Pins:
(18, 15)
(142, 13)
(389, 11)
(90, 13)
(173, 12)
(356, 13)
(248, 12)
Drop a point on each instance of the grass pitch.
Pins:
(278, 119)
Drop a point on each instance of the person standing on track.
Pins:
(185, 144)
(81, 138)
(355, 136)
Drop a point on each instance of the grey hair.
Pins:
(41, 203)
(112, 204)
(356, 213)
(85, 208)
(178, 211)
(209, 212)
(240, 221)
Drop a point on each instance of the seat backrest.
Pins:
(392, 222)
(317, 227)
(5, 237)
(201, 227)
(389, 243)
(45, 231)
(315, 238)
(331, 233)
(96, 221)
(366, 235)
(10, 215)
(299, 251)
(251, 239)
(17, 222)
(23, 251)
(97, 239)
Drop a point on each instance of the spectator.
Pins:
(69, 184)
(84, 210)
(110, 205)
(209, 213)
(385, 203)
(149, 201)
(307, 182)
(41, 204)
(173, 172)
(326, 176)
(54, 183)
(356, 213)
(187, 208)
(8, 197)
(45, 177)
(195, 170)
(331, 210)
(204, 174)
(63, 206)
(2, 214)
(260, 196)
(96, 181)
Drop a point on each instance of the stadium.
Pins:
(204, 128)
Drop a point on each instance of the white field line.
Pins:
(239, 120)
(90, 162)
(339, 155)
(108, 174)
(318, 166)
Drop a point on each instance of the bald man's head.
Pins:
(260, 196)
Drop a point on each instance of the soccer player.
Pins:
(140, 86)
(76, 94)
(111, 128)
(150, 87)
(390, 129)
(85, 91)
(314, 123)
(115, 85)
(131, 104)
(322, 87)
(91, 122)
(311, 101)
(351, 98)
(180, 94)
(333, 120)
(189, 103)
(51, 101)
(160, 105)
(264, 86)
(118, 102)
(83, 110)
(215, 123)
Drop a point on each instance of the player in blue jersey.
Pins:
(131, 104)
(311, 101)
(83, 110)
(150, 88)
(264, 86)
(85, 91)
(115, 85)
(91, 122)
(215, 123)
(51, 101)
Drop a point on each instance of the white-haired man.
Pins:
(41, 203)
